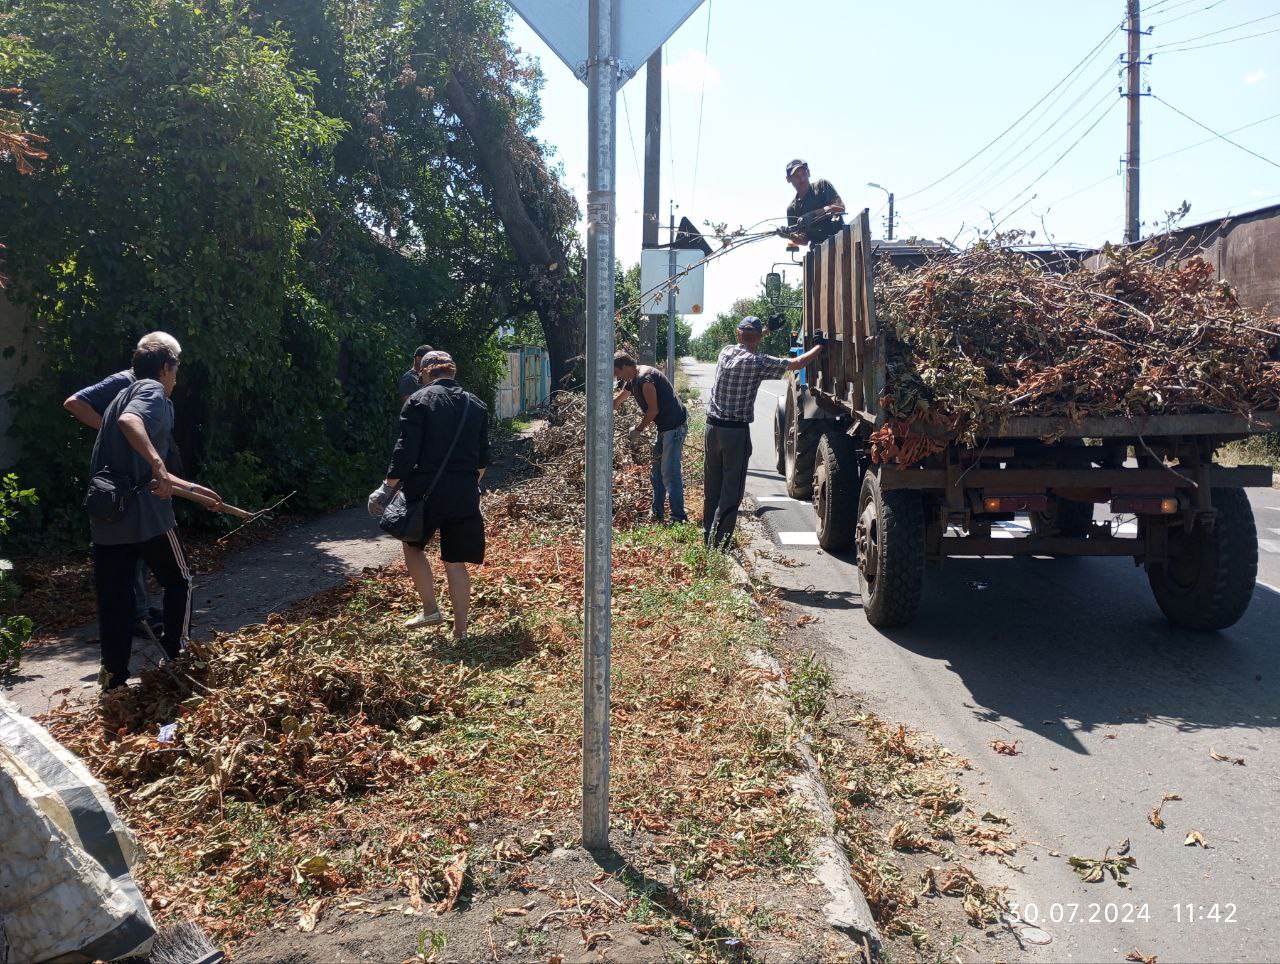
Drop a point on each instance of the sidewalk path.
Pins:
(253, 584)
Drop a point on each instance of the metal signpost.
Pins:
(620, 36)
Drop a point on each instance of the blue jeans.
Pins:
(668, 484)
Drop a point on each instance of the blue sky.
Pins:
(903, 93)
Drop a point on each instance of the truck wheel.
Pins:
(780, 437)
(800, 446)
(1208, 581)
(835, 490)
(1065, 518)
(890, 540)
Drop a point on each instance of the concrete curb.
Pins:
(847, 910)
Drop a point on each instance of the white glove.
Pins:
(379, 498)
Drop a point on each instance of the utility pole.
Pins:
(671, 302)
(602, 95)
(1134, 94)
(652, 179)
(890, 236)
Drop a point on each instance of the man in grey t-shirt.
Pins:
(135, 437)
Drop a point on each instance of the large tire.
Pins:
(1208, 581)
(1065, 518)
(836, 485)
(800, 446)
(890, 539)
(780, 437)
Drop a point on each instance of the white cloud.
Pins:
(691, 72)
(1256, 76)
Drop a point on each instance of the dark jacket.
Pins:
(428, 423)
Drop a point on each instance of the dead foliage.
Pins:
(988, 334)
(1154, 818)
(277, 774)
(1223, 758)
(552, 488)
(1092, 870)
(1004, 747)
(882, 774)
(1137, 957)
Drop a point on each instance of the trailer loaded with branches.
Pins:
(984, 384)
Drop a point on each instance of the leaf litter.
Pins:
(326, 753)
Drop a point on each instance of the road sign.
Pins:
(642, 27)
(654, 265)
(603, 42)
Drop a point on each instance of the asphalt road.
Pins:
(1111, 708)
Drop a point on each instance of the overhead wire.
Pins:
(1216, 134)
(635, 158)
(1183, 16)
(979, 183)
(1213, 33)
(982, 150)
(1220, 43)
(1061, 157)
(702, 97)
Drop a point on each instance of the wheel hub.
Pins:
(867, 540)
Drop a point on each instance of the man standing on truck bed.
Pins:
(816, 209)
(739, 371)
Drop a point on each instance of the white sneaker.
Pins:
(424, 619)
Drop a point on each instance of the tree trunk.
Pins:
(557, 295)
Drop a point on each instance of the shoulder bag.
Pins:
(407, 522)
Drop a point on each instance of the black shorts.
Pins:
(461, 537)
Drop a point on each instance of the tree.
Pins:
(723, 331)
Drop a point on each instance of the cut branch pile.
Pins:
(557, 490)
(989, 334)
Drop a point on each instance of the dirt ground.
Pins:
(566, 905)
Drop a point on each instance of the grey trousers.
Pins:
(724, 480)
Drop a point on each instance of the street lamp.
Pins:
(889, 237)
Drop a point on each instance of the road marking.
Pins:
(774, 498)
(1274, 531)
(798, 538)
(1269, 545)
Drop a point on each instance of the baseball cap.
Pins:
(437, 358)
(791, 166)
(750, 323)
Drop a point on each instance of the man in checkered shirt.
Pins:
(739, 371)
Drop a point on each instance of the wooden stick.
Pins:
(211, 504)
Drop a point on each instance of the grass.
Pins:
(329, 753)
(1254, 450)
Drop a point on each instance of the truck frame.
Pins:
(1196, 536)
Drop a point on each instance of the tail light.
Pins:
(1145, 504)
(1015, 503)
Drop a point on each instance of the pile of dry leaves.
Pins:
(988, 334)
(556, 490)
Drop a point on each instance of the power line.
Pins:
(1084, 60)
(1215, 133)
(1210, 140)
(1149, 161)
(671, 137)
(1214, 33)
(1061, 157)
(702, 96)
(978, 184)
(1183, 16)
(631, 135)
(1220, 43)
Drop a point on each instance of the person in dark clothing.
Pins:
(410, 381)
(816, 209)
(659, 407)
(135, 437)
(432, 418)
(88, 406)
